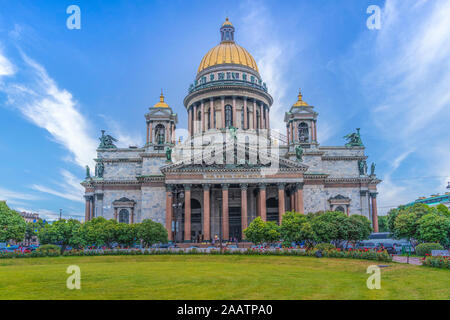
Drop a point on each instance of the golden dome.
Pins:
(300, 102)
(227, 52)
(161, 103)
(227, 23)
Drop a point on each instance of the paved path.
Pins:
(403, 259)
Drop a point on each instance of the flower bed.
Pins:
(332, 253)
(436, 262)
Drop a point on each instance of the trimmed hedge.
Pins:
(425, 248)
(333, 253)
(49, 248)
(324, 246)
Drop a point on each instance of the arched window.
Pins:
(242, 118)
(208, 121)
(340, 208)
(303, 132)
(228, 116)
(160, 134)
(124, 216)
(248, 118)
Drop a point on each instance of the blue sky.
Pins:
(60, 87)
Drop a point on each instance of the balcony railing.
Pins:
(234, 82)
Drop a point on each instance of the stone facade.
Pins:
(195, 195)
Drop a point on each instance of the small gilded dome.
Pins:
(227, 52)
(300, 102)
(227, 23)
(161, 103)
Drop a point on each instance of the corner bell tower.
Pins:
(301, 128)
(161, 125)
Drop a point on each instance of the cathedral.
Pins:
(232, 167)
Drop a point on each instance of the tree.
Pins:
(443, 210)
(32, 229)
(271, 232)
(434, 228)
(296, 227)
(99, 232)
(255, 231)
(330, 226)
(63, 232)
(126, 233)
(151, 232)
(406, 222)
(12, 225)
(383, 224)
(260, 231)
(359, 228)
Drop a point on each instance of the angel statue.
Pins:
(106, 141)
(169, 154)
(299, 153)
(88, 173)
(354, 139)
(372, 169)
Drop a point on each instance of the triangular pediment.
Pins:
(212, 158)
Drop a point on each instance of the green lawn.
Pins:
(216, 277)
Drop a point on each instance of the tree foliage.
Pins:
(260, 231)
(12, 225)
(63, 232)
(151, 232)
(420, 223)
(296, 227)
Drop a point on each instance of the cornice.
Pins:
(344, 158)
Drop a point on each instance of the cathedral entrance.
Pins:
(234, 218)
(196, 221)
(272, 210)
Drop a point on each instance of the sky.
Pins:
(59, 87)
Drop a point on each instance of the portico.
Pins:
(227, 208)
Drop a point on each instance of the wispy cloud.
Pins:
(6, 67)
(411, 74)
(69, 188)
(272, 54)
(16, 197)
(44, 104)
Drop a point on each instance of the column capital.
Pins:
(299, 185)
(187, 186)
(169, 188)
(373, 194)
(262, 185)
(225, 185)
(206, 186)
(244, 186)
(281, 186)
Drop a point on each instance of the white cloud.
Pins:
(12, 196)
(409, 70)
(69, 188)
(53, 109)
(272, 57)
(6, 67)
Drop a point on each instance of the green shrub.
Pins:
(425, 248)
(324, 246)
(49, 249)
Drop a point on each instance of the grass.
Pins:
(216, 277)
